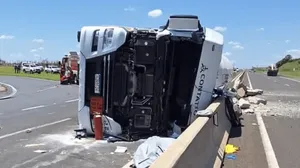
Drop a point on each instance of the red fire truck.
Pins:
(69, 69)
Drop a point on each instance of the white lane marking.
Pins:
(52, 87)
(31, 108)
(270, 154)
(34, 128)
(250, 84)
(69, 101)
(290, 79)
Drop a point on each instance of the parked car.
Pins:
(52, 69)
(40, 67)
(30, 68)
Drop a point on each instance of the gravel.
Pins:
(285, 104)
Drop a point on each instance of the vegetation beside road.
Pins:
(290, 69)
(10, 71)
(261, 70)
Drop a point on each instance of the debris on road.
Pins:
(247, 101)
(229, 148)
(257, 100)
(254, 92)
(242, 90)
(40, 151)
(34, 145)
(121, 149)
(231, 157)
(248, 111)
(244, 104)
(150, 150)
(28, 131)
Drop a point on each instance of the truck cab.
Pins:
(272, 70)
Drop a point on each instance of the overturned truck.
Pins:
(147, 78)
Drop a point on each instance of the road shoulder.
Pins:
(248, 138)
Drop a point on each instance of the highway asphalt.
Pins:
(42, 116)
(281, 117)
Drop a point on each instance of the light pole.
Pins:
(2, 43)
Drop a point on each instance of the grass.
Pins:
(291, 69)
(9, 71)
(260, 70)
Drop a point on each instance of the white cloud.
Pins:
(155, 13)
(226, 54)
(129, 9)
(236, 45)
(37, 49)
(38, 41)
(260, 29)
(33, 50)
(295, 53)
(220, 29)
(6, 37)
(287, 41)
(239, 47)
(233, 43)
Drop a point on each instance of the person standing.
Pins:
(15, 66)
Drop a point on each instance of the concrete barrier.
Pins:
(202, 144)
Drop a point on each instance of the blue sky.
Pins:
(255, 32)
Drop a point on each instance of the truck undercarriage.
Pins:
(147, 83)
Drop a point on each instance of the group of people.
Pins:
(17, 68)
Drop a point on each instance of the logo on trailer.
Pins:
(203, 68)
(199, 87)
